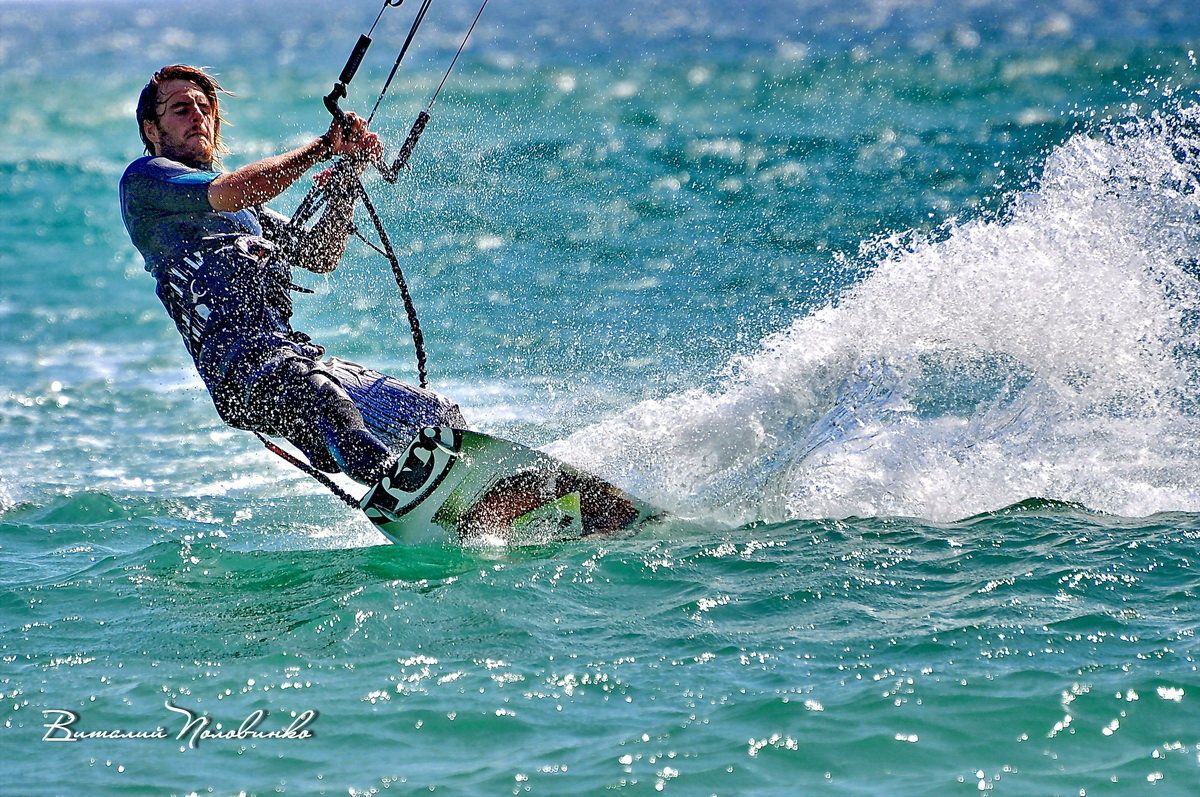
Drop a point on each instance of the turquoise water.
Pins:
(893, 305)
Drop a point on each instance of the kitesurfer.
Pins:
(223, 264)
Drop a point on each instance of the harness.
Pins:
(185, 293)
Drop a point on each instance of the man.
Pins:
(223, 266)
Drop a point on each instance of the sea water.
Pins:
(893, 306)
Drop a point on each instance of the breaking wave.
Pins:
(1049, 353)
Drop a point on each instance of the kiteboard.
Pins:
(460, 485)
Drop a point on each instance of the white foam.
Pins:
(1051, 354)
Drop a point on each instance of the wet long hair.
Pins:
(147, 107)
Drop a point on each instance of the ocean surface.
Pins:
(893, 304)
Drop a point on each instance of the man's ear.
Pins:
(151, 131)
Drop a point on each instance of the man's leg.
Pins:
(393, 411)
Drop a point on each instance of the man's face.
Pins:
(186, 124)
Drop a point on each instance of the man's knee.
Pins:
(308, 396)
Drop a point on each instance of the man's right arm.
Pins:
(259, 182)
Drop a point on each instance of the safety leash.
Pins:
(346, 498)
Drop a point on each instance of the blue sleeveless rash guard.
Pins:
(233, 311)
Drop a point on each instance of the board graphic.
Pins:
(459, 485)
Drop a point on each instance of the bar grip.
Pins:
(355, 60)
(348, 73)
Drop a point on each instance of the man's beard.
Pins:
(194, 152)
